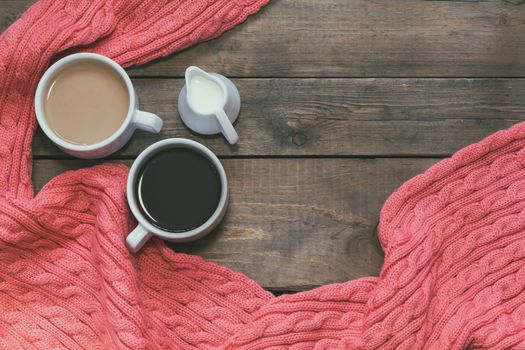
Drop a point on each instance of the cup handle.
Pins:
(147, 121)
(227, 127)
(137, 238)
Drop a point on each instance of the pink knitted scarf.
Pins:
(454, 272)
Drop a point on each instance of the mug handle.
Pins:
(137, 238)
(227, 127)
(147, 121)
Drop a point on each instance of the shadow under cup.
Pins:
(177, 189)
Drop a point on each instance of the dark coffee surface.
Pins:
(178, 189)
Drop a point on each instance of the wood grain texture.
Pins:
(361, 38)
(294, 224)
(358, 38)
(10, 10)
(342, 117)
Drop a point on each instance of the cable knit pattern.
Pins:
(66, 279)
(454, 271)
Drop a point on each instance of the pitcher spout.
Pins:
(193, 72)
(206, 94)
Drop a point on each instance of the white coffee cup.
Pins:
(145, 230)
(135, 119)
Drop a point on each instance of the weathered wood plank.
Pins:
(358, 38)
(320, 117)
(10, 10)
(312, 220)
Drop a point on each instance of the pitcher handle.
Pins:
(227, 127)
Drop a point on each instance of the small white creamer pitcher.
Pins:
(209, 104)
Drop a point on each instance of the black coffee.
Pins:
(178, 189)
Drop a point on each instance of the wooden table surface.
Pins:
(343, 100)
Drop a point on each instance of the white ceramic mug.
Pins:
(145, 230)
(219, 121)
(135, 119)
